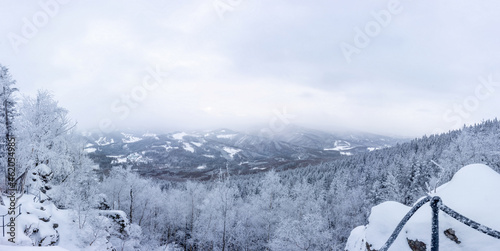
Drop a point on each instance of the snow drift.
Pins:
(474, 192)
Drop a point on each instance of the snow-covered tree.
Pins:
(7, 116)
(310, 232)
(269, 200)
(45, 137)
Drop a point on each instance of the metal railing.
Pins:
(3, 218)
(436, 205)
(37, 198)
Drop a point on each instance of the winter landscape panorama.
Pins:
(246, 125)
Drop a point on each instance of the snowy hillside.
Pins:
(473, 192)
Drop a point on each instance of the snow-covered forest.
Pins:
(310, 208)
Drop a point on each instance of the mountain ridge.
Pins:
(200, 154)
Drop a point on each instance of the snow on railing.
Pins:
(3, 218)
(401, 224)
(436, 205)
(472, 224)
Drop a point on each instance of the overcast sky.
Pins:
(403, 68)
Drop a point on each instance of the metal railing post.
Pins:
(401, 224)
(435, 203)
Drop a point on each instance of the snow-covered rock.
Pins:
(474, 192)
(35, 226)
(42, 226)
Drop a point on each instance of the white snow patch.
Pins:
(168, 147)
(259, 168)
(226, 136)
(340, 146)
(119, 159)
(197, 144)
(201, 167)
(90, 150)
(135, 157)
(231, 151)
(179, 136)
(129, 138)
(346, 153)
(150, 135)
(370, 149)
(209, 156)
(188, 147)
(103, 141)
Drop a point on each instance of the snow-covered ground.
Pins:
(43, 224)
(473, 192)
(44, 217)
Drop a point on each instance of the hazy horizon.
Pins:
(404, 68)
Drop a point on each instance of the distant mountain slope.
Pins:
(342, 142)
(202, 154)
